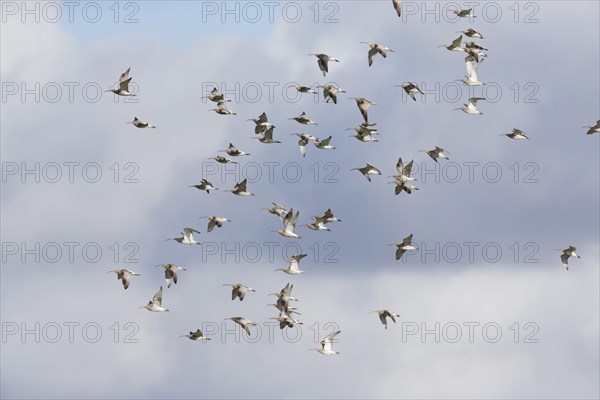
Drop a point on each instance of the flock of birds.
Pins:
(364, 132)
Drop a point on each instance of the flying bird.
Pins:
(289, 224)
(214, 220)
(139, 124)
(125, 276)
(471, 107)
(262, 123)
(323, 60)
(363, 105)
(436, 153)
(324, 144)
(305, 89)
(367, 171)
(187, 237)
(411, 89)
(516, 134)
(294, 266)
(403, 171)
(318, 224)
(566, 253)
(326, 345)
(204, 185)
(464, 13)
(384, 314)
(328, 217)
(403, 247)
(196, 336)
(472, 66)
(156, 303)
(286, 320)
(239, 290)
(123, 89)
(222, 109)
(455, 45)
(303, 119)
(243, 322)
(171, 273)
(267, 136)
(472, 33)
(330, 92)
(375, 49)
(216, 96)
(240, 189)
(278, 210)
(233, 152)
(303, 141)
(222, 160)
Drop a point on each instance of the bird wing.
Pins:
(211, 225)
(409, 89)
(302, 143)
(397, 6)
(124, 76)
(472, 66)
(325, 142)
(408, 169)
(124, 85)
(188, 232)
(328, 341)
(262, 118)
(407, 240)
(268, 134)
(372, 52)
(169, 276)
(125, 276)
(456, 42)
(322, 65)
(565, 259)
(196, 334)
(382, 316)
(241, 186)
(157, 299)
(399, 251)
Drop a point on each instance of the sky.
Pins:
(486, 308)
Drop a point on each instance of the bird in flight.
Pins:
(125, 276)
(327, 343)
